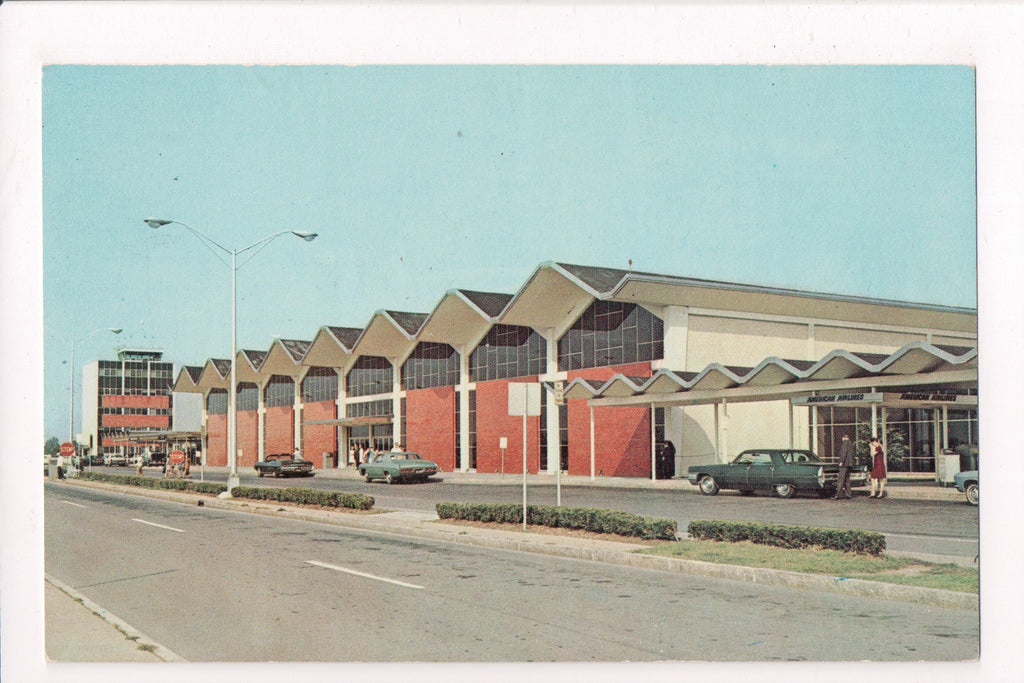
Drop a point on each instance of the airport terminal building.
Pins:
(641, 375)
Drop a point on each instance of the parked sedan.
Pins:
(398, 466)
(967, 482)
(783, 471)
(284, 465)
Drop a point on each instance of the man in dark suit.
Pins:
(845, 463)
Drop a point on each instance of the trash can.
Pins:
(946, 468)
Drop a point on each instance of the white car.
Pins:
(111, 459)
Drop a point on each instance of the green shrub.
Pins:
(787, 536)
(585, 519)
(154, 483)
(305, 496)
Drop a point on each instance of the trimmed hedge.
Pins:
(586, 519)
(786, 536)
(305, 496)
(154, 483)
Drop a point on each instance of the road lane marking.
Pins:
(68, 502)
(169, 528)
(365, 576)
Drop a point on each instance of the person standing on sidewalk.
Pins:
(878, 468)
(845, 463)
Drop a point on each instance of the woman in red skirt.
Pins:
(878, 469)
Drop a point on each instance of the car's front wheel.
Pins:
(971, 491)
(389, 478)
(366, 475)
(707, 485)
(259, 472)
(785, 490)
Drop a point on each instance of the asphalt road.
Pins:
(938, 530)
(215, 585)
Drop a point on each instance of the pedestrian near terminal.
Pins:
(353, 455)
(879, 471)
(845, 463)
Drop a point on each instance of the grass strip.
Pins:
(884, 568)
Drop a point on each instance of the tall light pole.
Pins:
(258, 246)
(71, 411)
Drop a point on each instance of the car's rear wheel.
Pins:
(971, 491)
(388, 478)
(785, 490)
(259, 472)
(366, 475)
(826, 493)
(707, 485)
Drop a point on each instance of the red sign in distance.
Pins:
(177, 456)
(67, 448)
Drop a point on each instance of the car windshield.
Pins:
(405, 456)
(800, 456)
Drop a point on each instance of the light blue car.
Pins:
(967, 482)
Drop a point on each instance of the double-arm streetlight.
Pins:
(254, 248)
(71, 411)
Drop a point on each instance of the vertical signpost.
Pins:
(559, 391)
(524, 399)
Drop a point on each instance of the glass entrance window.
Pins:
(833, 423)
(910, 439)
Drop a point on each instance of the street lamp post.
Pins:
(258, 246)
(71, 411)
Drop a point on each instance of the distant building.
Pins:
(129, 394)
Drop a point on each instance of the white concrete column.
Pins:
(654, 449)
(724, 456)
(297, 406)
(463, 464)
(396, 399)
(718, 432)
(677, 322)
(815, 437)
(552, 422)
(592, 451)
(261, 422)
(792, 427)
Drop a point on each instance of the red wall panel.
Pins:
(280, 429)
(120, 401)
(140, 421)
(494, 422)
(319, 438)
(217, 440)
(622, 436)
(248, 432)
(431, 424)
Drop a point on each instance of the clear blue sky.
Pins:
(852, 180)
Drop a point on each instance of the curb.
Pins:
(607, 553)
(129, 631)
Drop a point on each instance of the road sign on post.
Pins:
(67, 449)
(524, 399)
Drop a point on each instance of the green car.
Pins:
(782, 471)
(397, 466)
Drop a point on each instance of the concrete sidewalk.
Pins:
(78, 630)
